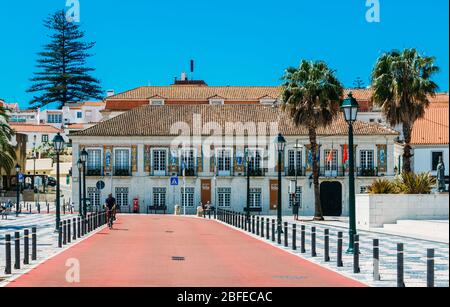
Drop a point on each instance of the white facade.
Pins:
(423, 158)
(145, 183)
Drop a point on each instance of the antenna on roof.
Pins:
(192, 69)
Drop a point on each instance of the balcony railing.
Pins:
(257, 172)
(94, 172)
(189, 172)
(328, 172)
(159, 173)
(122, 172)
(367, 172)
(292, 172)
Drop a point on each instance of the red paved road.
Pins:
(139, 253)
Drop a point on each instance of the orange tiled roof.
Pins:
(34, 128)
(158, 120)
(433, 128)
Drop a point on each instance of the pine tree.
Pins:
(358, 83)
(63, 76)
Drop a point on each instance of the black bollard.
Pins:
(33, 243)
(17, 250)
(430, 268)
(74, 222)
(253, 224)
(326, 256)
(262, 227)
(257, 225)
(339, 250)
(294, 236)
(69, 231)
(356, 268)
(64, 232)
(8, 254)
(48, 207)
(286, 243)
(64, 209)
(273, 230)
(376, 260)
(400, 272)
(60, 229)
(267, 228)
(302, 239)
(313, 242)
(26, 246)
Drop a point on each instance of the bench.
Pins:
(156, 209)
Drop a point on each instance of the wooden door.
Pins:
(273, 188)
(206, 190)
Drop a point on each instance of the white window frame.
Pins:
(256, 164)
(159, 171)
(255, 197)
(94, 196)
(364, 156)
(100, 166)
(267, 101)
(188, 197)
(190, 164)
(159, 197)
(157, 102)
(121, 200)
(224, 197)
(295, 159)
(222, 165)
(331, 169)
(299, 195)
(129, 158)
(217, 102)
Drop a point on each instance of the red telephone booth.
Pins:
(136, 205)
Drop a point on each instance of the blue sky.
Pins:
(142, 42)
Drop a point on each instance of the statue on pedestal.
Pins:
(441, 176)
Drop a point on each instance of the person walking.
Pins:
(295, 207)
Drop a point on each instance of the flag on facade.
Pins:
(345, 155)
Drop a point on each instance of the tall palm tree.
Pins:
(7, 152)
(312, 95)
(402, 83)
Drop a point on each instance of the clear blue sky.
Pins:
(141, 42)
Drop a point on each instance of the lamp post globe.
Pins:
(280, 143)
(84, 155)
(350, 109)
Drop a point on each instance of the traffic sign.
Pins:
(173, 181)
(100, 185)
(21, 177)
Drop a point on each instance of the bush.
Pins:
(382, 186)
(410, 183)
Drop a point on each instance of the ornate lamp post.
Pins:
(58, 145)
(83, 157)
(80, 203)
(17, 189)
(350, 109)
(280, 143)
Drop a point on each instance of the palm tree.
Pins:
(7, 152)
(312, 95)
(402, 83)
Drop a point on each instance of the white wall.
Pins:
(422, 158)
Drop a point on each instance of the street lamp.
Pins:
(80, 169)
(17, 189)
(58, 145)
(280, 143)
(84, 157)
(247, 161)
(350, 108)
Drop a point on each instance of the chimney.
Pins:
(109, 93)
(183, 76)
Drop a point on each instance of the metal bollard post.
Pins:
(326, 256)
(356, 268)
(64, 209)
(400, 272)
(267, 228)
(302, 239)
(17, 250)
(257, 225)
(273, 230)
(33, 243)
(64, 229)
(26, 246)
(69, 226)
(8, 254)
(262, 227)
(74, 221)
(376, 260)
(294, 236)
(253, 224)
(60, 235)
(48, 207)
(209, 213)
(430, 268)
(339, 250)
(286, 243)
(313, 242)
(279, 231)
